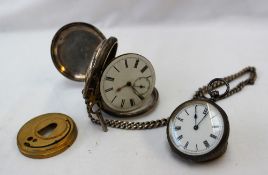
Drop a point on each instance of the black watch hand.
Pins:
(202, 119)
(195, 116)
(126, 85)
(137, 93)
(141, 86)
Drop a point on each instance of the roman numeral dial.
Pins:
(127, 82)
(195, 128)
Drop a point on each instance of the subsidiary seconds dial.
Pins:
(198, 130)
(127, 82)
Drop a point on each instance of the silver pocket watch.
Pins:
(123, 86)
(198, 129)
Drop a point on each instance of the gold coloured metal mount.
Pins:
(46, 135)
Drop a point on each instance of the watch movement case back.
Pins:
(217, 151)
(73, 47)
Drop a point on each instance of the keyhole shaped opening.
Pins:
(46, 131)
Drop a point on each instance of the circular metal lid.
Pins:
(72, 49)
(103, 55)
(46, 135)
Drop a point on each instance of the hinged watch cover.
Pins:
(104, 53)
(73, 47)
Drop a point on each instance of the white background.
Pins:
(189, 43)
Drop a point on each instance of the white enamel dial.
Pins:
(127, 82)
(196, 128)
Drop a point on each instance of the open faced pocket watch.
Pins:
(123, 86)
(198, 129)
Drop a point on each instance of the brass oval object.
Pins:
(46, 135)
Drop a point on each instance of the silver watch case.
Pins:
(72, 48)
(104, 55)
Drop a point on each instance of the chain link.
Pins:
(200, 93)
(121, 124)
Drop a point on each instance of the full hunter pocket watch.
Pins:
(122, 86)
(197, 130)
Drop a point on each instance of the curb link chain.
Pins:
(120, 124)
(200, 93)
